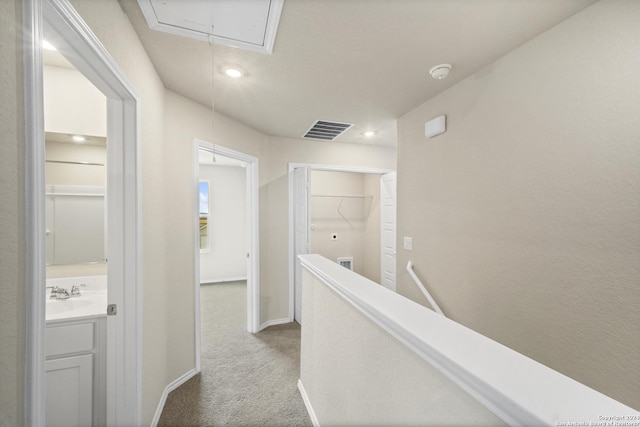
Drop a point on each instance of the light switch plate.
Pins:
(408, 243)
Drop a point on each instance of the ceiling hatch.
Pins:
(327, 131)
(246, 24)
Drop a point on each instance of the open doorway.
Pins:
(226, 226)
(340, 212)
(222, 219)
(75, 121)
(119, 400)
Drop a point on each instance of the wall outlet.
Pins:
(408, 243)
(334, 236)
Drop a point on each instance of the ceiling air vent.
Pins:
(327, 131)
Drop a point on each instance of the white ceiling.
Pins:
(357, 61)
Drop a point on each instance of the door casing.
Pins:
(253, 243)
(75, 40)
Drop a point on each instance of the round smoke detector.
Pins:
(441, 71)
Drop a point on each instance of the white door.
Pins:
(301, 230)
(388, 234)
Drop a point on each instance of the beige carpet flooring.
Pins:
(246, 379)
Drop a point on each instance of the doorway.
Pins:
(66, 31)
(342, 199)
(205, 222)
(76, 172)
(222, 219)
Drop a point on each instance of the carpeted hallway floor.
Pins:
(246, 380)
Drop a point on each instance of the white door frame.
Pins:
(292, 230)
(253, 242)
(81, 47)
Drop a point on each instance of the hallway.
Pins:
(246, 380)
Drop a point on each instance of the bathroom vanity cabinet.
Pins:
(75, 372)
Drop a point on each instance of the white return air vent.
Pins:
(346, 262)
(327, 131)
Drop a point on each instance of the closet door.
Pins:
(388, 234)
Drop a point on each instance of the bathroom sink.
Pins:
(58, 306)
(92, 300)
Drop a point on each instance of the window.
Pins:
(205, 242)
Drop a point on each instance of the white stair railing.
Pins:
(424, 290)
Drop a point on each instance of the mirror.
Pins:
(75, 177)
(75, 119)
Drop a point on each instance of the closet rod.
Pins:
(74, 163)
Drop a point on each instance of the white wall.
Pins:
(357, 374)
(85, 107)
(525, 213)
(326, 220)
(355, 232)
(227, 257)
(12, 241)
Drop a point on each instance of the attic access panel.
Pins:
(246, 24)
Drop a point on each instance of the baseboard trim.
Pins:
(168, 389)
(273, 323)
(225, 279)
(307, 404)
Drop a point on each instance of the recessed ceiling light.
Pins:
(78, 138)
(232, 72)
(369, 133)
(441, 71)
(47, 45)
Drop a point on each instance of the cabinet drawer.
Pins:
(67, 339)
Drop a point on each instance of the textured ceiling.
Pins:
(357, 61)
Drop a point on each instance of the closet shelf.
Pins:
(347, 196)
(342, 197)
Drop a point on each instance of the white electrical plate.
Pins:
(435, 126)
(408, 243)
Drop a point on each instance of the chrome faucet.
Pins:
(58, 292)
(75, 290)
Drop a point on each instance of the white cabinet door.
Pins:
(69, 396)
(388, 235)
